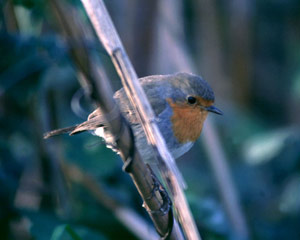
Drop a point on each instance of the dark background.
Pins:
(249, 52)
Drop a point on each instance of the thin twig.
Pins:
(172, 44)
(217, 157)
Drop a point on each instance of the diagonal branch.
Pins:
(101, 92)
(108, 36)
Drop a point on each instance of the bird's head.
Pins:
(191, 99)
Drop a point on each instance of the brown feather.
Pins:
(187, 121)
(59, 131)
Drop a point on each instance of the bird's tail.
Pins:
(59, 131)
(88, 125)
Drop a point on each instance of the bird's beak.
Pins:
(213, 109)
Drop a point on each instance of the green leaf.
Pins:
(265, 146)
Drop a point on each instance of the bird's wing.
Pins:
(154, 94)
(96, 119)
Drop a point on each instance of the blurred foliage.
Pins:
(259, 131)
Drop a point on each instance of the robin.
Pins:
(181, 103)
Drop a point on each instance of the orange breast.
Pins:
(187, 121)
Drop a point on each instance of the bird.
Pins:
(181, 103)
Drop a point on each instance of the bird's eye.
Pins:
(191, 100)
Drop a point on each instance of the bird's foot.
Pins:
(158, 188)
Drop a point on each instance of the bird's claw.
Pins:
(157, 187)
